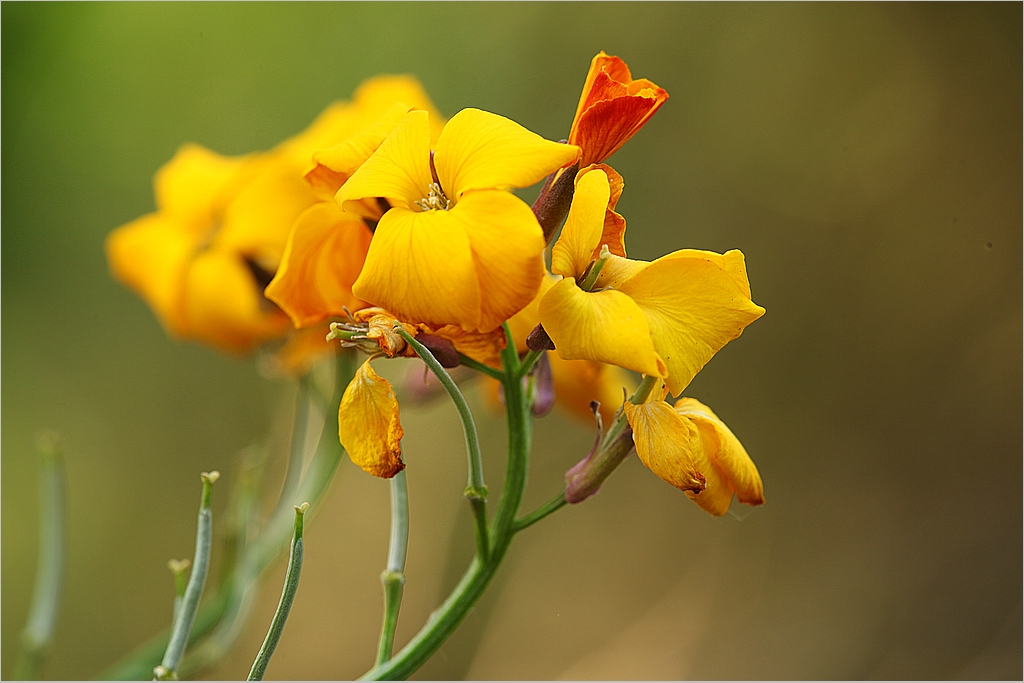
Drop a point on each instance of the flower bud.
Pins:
(584, 479)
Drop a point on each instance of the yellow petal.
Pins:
(578, 382)
(376, 95)
(223, 304)
(368, 424)
(583, 226)
(667, 444)
(258, 219)
(508, 245)
(694, 307)
(399, 170)
(604, 326)
(617, 270)
(301, 351)
(736, 471)
(420, 267)
(323, 257)
(190, 186)
(523, 322)
(484, 347)
(480, 150)
(150, 256)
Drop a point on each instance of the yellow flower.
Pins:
(576, 382)
(204, 257)
(454, 247)
(666, 318)
(368, 424)
(690, 448)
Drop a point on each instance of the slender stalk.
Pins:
(291, 584)
(227, 604)
(480, 367)
(178, 569)
(46, 596)
(540, 513)
(450, 614)
(393, 577)
(196, 582)
(476, 489)
(528, 362)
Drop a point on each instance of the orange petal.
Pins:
(614, 233)
(604, 326)
(302, 350)
(368, 424)
(667, 444)
(578, 382)
(322, 259)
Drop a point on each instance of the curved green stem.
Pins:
(450, 614)
(46, 595)
(291, 584)
(540, 513)
(476, 489)
(393, 577)
(480, 367)
(529, 360)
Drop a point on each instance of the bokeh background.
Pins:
(865, 157)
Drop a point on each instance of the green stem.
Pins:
(540, 513)
(223, 609)
(450, 614)
(196, 582)
(393, 577)
(480, 367)
(46, 596)
(476, 489)
(291, 584)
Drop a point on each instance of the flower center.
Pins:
(435, 199)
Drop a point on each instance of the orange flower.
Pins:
(612, 108)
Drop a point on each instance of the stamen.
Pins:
(435, 200)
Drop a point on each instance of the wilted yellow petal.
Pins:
(667, 444)
(480, 150)
(368, 424)
(727, 457)
(694, 307)
(223, 304)
(399, 170)
(420, 267)
(508, 246)
(605, 326)
(323, 257)
(584, 225)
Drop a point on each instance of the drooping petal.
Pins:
(420, 266)
(150, 255)
(604, 326)
(368, 424)
(726, 455)
(478, 150)
(223, 304)
(508, 248)
(398, 171)
(584, 225)
(694, 307)
(667, 444)
(323, 257)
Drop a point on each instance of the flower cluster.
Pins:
(385, 218)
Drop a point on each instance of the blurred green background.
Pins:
(865, 157)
